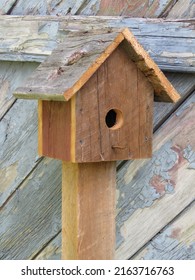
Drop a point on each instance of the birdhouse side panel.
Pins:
(55, 129)
(114, 113)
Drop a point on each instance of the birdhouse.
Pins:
(96, 94)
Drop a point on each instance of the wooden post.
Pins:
(88, 210)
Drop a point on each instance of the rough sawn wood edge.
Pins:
(163, 89)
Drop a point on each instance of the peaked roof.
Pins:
(75, 60)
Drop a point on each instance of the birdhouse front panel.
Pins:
(113, 113)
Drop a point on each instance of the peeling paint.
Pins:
(153, 180)
(175, 232)
(166, 246)
(189, 154)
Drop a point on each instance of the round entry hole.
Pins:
(114, 119)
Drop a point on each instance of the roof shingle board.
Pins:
(75, 60)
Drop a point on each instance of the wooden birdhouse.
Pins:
(96, 97)
(96, 94)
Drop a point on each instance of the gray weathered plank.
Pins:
(170, 43)
(183, 83)
(12, 74)
(141, 8)
(33, 209)
(18, 141)
(14, 153)
(182, 9)
(175, 242)
(101, 7)
(52, 251)
(161, 187)
(49, 7)
(6, 5)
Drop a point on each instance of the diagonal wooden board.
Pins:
(175, 241)
(32, 38)
(165, 182)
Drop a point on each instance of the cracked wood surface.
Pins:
(182, 9)
(175, 241)
(160, 188)
(75, 61)
(144, 8)
(40, 36)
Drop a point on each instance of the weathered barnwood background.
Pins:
(41, 35)
(155, 198)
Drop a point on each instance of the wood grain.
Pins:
(175, 242)
(182, 11)
(163, 90)
(34, 207)
(163, 186)
(42, 34)
(88, 210)
(73, 62)
(147, 9)
(69, 67)
(49, 7)
(111, 88)
(6, 6)
(12, 74)
(55, 129)
(132, 8)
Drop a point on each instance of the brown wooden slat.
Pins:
(55, 129)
